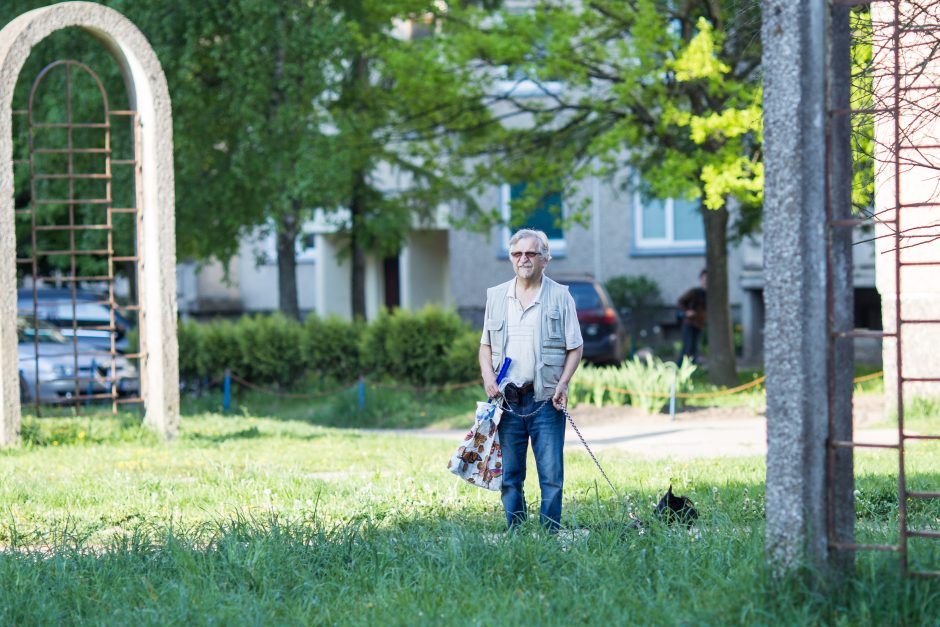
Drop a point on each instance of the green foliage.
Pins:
(649, 379)
(218, 349)
(270, 349)
(462, 357)
(54, 432)
(279, 109)
(432, 346)
(672, 88)
(417, 347)
(86, 105)
(632, 292)
(248, 519)
(922, 408)
(188, 337)
(863, 125)
(331, 347)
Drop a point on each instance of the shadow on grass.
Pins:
(242, 434)
(381, 407)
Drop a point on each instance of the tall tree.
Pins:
(396, 83)
(250, 86)
(668, 87)
(284, 108)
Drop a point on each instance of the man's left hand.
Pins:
(560, 398)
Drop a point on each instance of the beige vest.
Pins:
(550, 347)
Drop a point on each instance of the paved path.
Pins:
(690, 435)
(694, 438)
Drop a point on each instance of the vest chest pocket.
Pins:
(496, 330)
(553, 335)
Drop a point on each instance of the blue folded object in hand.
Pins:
(503, 370)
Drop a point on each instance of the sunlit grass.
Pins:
(247, 520)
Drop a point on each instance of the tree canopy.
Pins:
(669, 88)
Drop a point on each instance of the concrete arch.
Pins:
(149, 95)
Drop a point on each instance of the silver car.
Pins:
(57, 380)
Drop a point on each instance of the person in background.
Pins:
(532, 320)
(692, 305)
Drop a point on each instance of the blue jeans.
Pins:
(547, 431)
(690, 336)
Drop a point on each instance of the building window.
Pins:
(667, 226)
(307, 247)
(546, 217)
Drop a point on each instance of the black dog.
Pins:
(670, 509)
(673, 508)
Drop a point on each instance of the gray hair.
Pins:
(538, 236)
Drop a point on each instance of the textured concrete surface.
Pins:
(157, 268)
(793, 34)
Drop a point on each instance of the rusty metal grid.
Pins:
(107, 377)
(905, 113)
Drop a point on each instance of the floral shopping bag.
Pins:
(478, 459)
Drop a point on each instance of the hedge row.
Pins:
(431, 346)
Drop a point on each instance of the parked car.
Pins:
(91, 314)
(605, 337)
(58, 381)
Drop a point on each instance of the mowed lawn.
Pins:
(247, 520)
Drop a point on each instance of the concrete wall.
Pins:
(603, 248)
(917, 180)
(425, 270)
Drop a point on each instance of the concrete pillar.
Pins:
(794, 62)
(149, 95)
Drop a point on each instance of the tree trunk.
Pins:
(287, 230)
(721, 360)
(357, 226)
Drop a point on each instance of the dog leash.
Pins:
(590, 452)
(538, 408)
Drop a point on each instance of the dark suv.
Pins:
(91, 314)
(605, 338)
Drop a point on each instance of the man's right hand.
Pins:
(489, 384)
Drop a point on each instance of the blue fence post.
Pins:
(227, 391)
(362, 393)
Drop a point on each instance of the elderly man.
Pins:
(532, 320)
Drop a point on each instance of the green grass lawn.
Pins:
(267, 520)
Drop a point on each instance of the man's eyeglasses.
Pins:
(529, 254)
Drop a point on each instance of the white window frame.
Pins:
(661, 244)
(559, 247)
(267, 245)
(304, 254)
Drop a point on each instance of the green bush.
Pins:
(331, 347)
(372, 350)
(429, 347)
(270, 349)
(218, 349)
(462, 358)
(188, 335)
(631, 292)
(415, 347)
